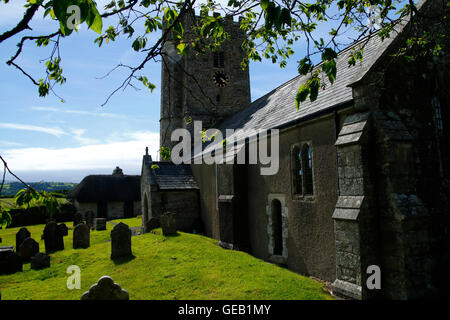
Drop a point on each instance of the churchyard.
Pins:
(181, 266)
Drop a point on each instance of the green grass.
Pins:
(186, 266)
(8, 203)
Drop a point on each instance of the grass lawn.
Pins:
(186, 266)
(8, 203)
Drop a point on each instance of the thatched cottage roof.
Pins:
(98, 188)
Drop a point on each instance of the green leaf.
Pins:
(302, 94)
(314, 89)
(93, 19)
(329, 54)
(264, 4)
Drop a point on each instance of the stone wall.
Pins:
(190, 93)
(309, 231)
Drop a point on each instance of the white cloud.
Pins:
(79, 112)
(78, 135)
(17, 126)
(126, 154)
(10, 144)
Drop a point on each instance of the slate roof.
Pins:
(98, 188)
(170, 176)
(277, 107)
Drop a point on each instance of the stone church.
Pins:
(363, 175)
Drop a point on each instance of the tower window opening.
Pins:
(219, 59)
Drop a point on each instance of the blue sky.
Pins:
(44, 139)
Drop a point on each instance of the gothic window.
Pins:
(440, 123)
(297, 162)
(308, 179)
(146, 217)
(302, 175)
(219, 60)
(277, 228)
(438, 116)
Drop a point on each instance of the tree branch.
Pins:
(22, 25)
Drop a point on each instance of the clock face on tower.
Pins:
(220, 79)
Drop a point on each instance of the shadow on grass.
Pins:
(172, 235)
(122, 260)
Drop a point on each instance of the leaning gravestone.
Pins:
(10, 264)
(100, 224)
(63, 229)
(28, 248)
(81, 236)
(77, 219)
(53, 238)
(121, 241)
(168, 224)
(105, 289)
(90, 216)
(21, 235)
(40, 261)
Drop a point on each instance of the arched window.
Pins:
(219, 60)
(146, 207)
(277, 227)
(297, 164)
(308, 179)
(302, 175)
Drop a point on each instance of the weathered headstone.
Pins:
(5, 251)
(169, 224)
(53, 237)
(40, 261)
(77, 219)
(121, 241)
(12, 263)
(63, 229)
(28, 248)
(90, 216)
(81, 236)
(100, 224)
(21, 235)
(105, 289)
(153, 223)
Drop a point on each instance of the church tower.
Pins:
(209, 87)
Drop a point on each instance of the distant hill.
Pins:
(11, 188)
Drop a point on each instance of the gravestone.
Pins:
(168, 224)
(10, 264)
(5, 251)
(100, 224)
(21, 235)
(105, 289)
(53, 238)
(90, 216)
(77, 219)
(28, 249)
(40, 261)
(121, 241)
(81, 236)
(63, 229)
(153, 223)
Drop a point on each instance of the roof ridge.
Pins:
(319, 64)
